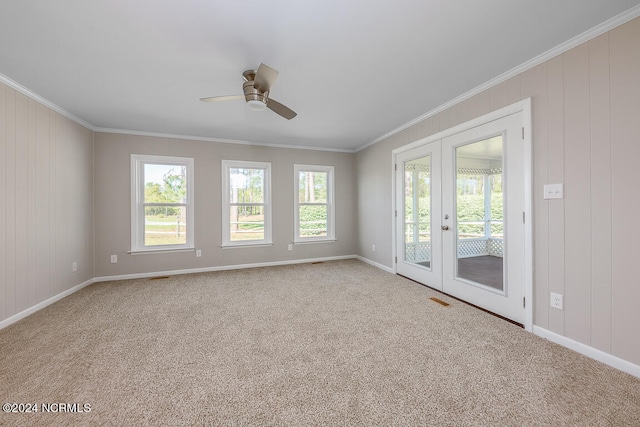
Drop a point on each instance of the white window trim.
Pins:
(226, 204)
(137, 202)
(331, 211)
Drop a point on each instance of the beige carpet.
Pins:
(338, 343)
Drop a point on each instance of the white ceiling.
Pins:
(353, 70)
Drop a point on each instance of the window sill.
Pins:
(309, 242)
(160, 251)
(245, 245)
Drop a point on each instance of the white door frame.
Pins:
(523, 106)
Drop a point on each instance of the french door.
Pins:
(460, 204)
(418, 212)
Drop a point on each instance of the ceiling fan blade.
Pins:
(265, 78)
(280, 109)
(222, 98)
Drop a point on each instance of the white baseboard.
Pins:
(24, 313)
(219, 268)
(376, 264)
(584, 349)
(599, 355)
(10, 320)
(588, 351)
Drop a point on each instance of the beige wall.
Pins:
(586, 134)
(46, 196)
(113, 212)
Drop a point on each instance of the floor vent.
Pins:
(439, 301)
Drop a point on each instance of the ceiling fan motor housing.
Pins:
(252, 95)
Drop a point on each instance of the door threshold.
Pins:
(466, 302)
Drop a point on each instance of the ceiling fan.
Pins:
(256, 87)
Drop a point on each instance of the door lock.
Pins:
(445, 227)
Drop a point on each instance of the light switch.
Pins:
(553, 191)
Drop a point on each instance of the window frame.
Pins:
(138, 161)
(331, 233)
(227, 165)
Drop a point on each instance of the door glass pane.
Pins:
(480, 213)
(417, 211)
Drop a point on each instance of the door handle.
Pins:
(445, 227)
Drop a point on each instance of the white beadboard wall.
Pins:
(46, 196)
(586, 135)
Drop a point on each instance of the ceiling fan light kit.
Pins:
(256, 86)
(256, 105)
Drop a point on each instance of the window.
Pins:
(161, 203)
(314, 207)
(246, 207)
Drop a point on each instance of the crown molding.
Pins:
(17, 86)
(29, 93)
(599, 29)
(220, 140)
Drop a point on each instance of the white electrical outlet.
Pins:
(74, 266)
(198, 253)
(373, 248)
(290, 247)
(556, 301)
(114, 259)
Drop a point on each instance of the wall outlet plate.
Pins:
(556, 301)
(198, 253)
(114, 259)
(74, 266)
